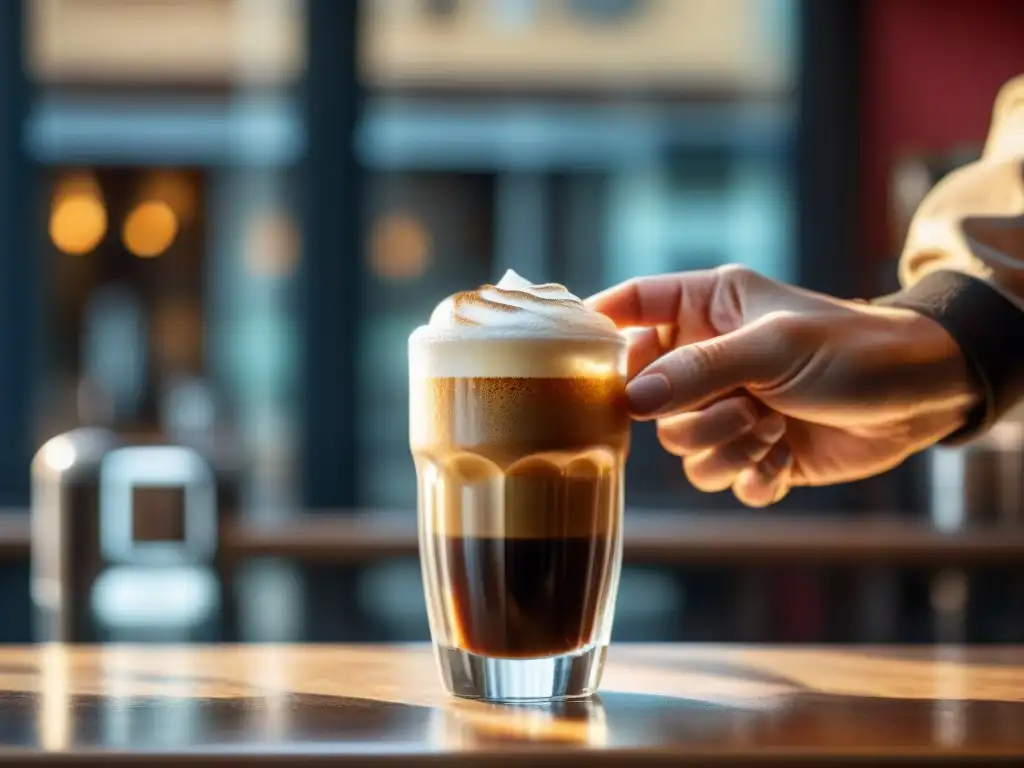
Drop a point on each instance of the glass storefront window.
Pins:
(582, 142)
(168, 138)
(186, 111)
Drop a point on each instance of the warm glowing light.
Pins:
(399, 247)
(150, 229)
(78, 223)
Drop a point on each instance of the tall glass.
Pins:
(520, 474)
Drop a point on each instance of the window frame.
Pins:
(19, 270)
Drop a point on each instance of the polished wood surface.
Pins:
(660, 704)
(665, 538)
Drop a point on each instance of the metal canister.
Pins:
(125, 540)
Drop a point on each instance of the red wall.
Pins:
(931, 70)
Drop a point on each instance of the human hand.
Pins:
(761, 386)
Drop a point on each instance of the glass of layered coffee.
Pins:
(519, 430)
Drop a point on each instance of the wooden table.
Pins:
(660, 705)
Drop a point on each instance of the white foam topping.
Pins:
(515, 328)
(516, 307)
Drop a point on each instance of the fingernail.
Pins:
(648, 393)
(770, 428)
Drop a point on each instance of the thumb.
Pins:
(692, 376)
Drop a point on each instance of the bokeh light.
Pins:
(399, 247)
(78, 222)
(150, 229)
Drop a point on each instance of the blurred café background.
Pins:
(220, 220)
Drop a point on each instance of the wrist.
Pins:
(930, 348)
(985, 326)
(901, 364)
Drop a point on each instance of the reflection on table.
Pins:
(354, 703)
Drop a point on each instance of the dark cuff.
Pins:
(989, 329)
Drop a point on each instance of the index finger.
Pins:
(641, 301)
(660, 300)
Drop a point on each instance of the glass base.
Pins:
(555, 678)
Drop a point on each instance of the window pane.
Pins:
(169, 137)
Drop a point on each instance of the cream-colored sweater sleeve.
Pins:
(973, 220)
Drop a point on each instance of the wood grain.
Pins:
(384, 705)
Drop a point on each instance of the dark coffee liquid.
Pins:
(520, 504)
(525, 597)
